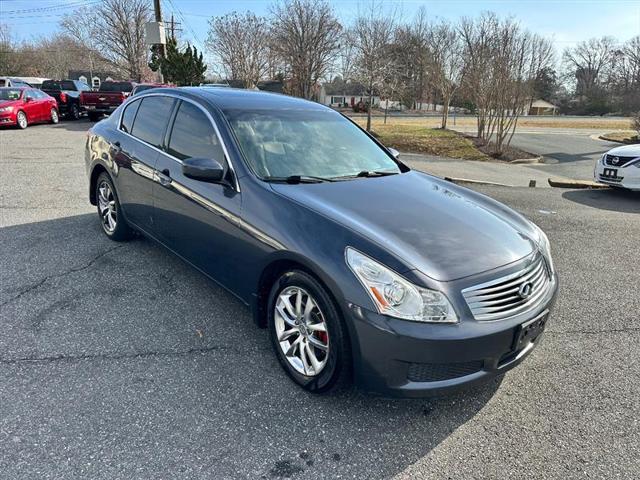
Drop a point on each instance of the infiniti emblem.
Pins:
(525, 290)
(615, 161)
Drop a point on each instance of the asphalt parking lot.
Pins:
(118, 361)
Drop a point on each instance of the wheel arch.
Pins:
(95, 173)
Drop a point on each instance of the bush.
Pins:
(636, 123)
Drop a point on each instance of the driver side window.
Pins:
(193, 135)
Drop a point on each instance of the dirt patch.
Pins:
(508, 154)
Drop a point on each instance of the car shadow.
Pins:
(144, 340)
(613, 199)
(81, 125)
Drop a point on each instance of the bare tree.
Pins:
(82, 25)
(241, 44)
(120, 34)
(588, 62)
(306, 36)
(372, 38)
(446, 55)
(501, 64)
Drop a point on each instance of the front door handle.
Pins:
(164, 177)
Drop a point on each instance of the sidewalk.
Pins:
(494, 172)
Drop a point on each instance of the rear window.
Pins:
(57, 85)
(116, 87)
(152, 118)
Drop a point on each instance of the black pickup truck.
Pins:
(67, 94)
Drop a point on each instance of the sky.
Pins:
(566, 22)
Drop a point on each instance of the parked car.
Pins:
(358, 266)
(109, 96)
(12, 82)
(67, 94)
(619, 167)
(141, 87)
(22, 106)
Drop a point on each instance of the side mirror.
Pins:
(394, 152)
(28, 99)
(203, 169)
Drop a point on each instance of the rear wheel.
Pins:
(21, 120)
(74, 112)
(307, 333)
(113, 223)
(54, 116)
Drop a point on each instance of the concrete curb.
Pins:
(570, 183)
(612, 140)
(520, 161)
(476, 182)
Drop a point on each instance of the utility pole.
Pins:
(160, 47)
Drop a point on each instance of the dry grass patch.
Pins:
(420, 139)
(623, 136)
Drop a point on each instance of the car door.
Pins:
(44, 105)
(141, 132)
(31, 107)
(199, 220)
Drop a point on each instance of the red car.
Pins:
(22, 106)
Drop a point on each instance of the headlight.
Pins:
(395, 296)
(6, 109)
(545, 246)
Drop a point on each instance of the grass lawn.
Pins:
(622, 136)
(428, 140)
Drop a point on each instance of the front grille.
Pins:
(434, 372)
(508, 296)
(617, 161)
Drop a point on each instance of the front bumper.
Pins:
(398, 358)
(8, 119)
(625, 177)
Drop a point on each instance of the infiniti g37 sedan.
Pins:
(620, 167)
(361, 269)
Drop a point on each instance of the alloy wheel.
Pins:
(22, 120)
(301, 329)
(107, 207)
(54, 115)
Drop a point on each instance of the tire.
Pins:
(55, 118)
(116, 228)
(94, 117)
(74, 112)
(21, 120)
(335, 372)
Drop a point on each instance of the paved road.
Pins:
(571, 154)
(120, 362)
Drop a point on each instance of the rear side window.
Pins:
(151, 120)
(128, 115)
(193, 135)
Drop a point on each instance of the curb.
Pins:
(476, 182)
(569, 183)
(612, 140)
(520, 161)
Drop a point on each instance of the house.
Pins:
(339, 94)
(93, 79)
(542, 107)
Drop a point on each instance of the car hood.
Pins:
(445, 231)
(626, 151)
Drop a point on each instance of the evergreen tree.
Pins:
(180, 67)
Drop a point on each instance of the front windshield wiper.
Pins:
(369, 174)
(294, 179)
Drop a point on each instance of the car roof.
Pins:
(237, 98)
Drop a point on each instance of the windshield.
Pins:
(116, 87)
(10, 94)
(312, 143)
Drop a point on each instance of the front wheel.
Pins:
(307, 333)
(54, 116)
(113, 223)
(21, 120)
